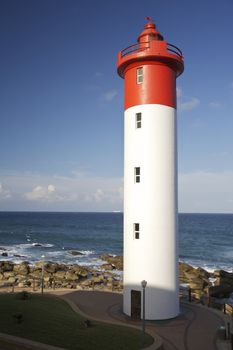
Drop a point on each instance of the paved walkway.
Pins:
(194, 329)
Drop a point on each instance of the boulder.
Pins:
(12, 280)
(22, 268)
(115, 261)
(221, 291)
(36, 274)
(99, 279)
(6, 266)
(197, 283)
(47, 279)
(78, 287)
(39, 264)
(223, 277)
(8, 274)
(80, 270)
(60, 275)
(71, 276)
(107, 267)
(74, 252)
(51, 267)
(4, 284)
(4, 254)
(203, 273)
(21, 285)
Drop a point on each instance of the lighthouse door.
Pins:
(135, 304)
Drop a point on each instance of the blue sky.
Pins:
(61, 101)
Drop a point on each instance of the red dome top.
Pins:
(149, 33)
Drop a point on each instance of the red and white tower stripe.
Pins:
(150, 69)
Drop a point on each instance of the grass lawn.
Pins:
(52, 321)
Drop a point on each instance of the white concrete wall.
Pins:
(153, 204)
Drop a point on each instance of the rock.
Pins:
(80, 270)
(223, 277)
(12, 280)
(6, 266)
(3, 284)
(99, 279)
(197, 283)
(39, 264)
(36, 274)
(22, 268)
(47, 279)
(221, 291)
(60, 275)
(37, 245)
(74, 252)
(71, 276)
(4, 254)
(223, 274)
(87, 283)
(8, 274)
(201, 272)
(51, 267)
(78, 287)
(115, 261)
(107, 267)
(64, 284)
(185, 267)
(21, 285)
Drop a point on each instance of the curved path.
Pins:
(194, 329)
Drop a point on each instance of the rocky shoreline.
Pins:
(200, 282)
(55, 275)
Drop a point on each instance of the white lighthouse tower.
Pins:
(150, 69)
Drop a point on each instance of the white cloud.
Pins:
(110, 95)
(51, 188)
(215, 105)
(185, 103)
(199, 191)
(42, 193)
(80, 191)
(4, 192)
(188, 104)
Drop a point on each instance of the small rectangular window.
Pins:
(137, 174)
(136, 231)
(138, 120)
(139, 75)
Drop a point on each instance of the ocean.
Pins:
(205, 240)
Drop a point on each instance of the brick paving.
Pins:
(196, 328)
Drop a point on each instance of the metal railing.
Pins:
(145, 45)
(135, 48)
(174, 49)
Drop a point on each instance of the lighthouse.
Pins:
(149, 69)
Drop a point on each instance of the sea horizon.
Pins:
(103, 212)
(205, 239)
